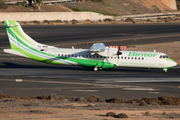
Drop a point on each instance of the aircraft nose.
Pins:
(174, 63)
(171, 62)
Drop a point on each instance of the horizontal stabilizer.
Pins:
(14, 52)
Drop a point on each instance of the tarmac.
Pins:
(24, 77)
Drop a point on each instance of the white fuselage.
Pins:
(141, 59)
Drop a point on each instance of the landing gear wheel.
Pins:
(165, 70)
(95, 69)
(99, 68)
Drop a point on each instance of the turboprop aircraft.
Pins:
(98, 56)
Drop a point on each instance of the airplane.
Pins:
(98, 56)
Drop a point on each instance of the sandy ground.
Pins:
(60, 110)
(172, 49)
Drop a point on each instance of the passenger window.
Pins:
(135, 58)
(142, 58)
(62, 55)
(160, 56)
(68, 55)
(128, 57)
(75, 55)
(132, 58)
(164, 56)
(121, 57)
(72, 55)
(100, 56)
(124, 57)
(139, 58)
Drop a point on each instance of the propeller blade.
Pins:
(118, 52)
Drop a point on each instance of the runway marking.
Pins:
(144, 89)
(154, 92)
(86, 90)
(95, 85)
(92, 85)
(139, 80)
(18, 80)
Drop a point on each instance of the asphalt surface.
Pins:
(79, 35)
(24, 77)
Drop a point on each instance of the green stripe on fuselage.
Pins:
(91, 62)
(34, 57)
(169, 59)
(83, 62)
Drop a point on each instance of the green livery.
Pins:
(98, 56)
(141, 54)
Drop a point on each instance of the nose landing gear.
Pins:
(165, 70)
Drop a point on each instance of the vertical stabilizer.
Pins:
(18, 38)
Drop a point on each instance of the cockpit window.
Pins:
(163, 56)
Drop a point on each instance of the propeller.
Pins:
(118, 52)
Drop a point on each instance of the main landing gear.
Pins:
(97, 68)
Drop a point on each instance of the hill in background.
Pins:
(107, 7)
(120, 7)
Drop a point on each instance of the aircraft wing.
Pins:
(101, 49)
(97, 47)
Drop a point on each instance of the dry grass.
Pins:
(163, 100)
(117, 100)
(94, 98)
(44, 108)
(111, 114)
(105, 21)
